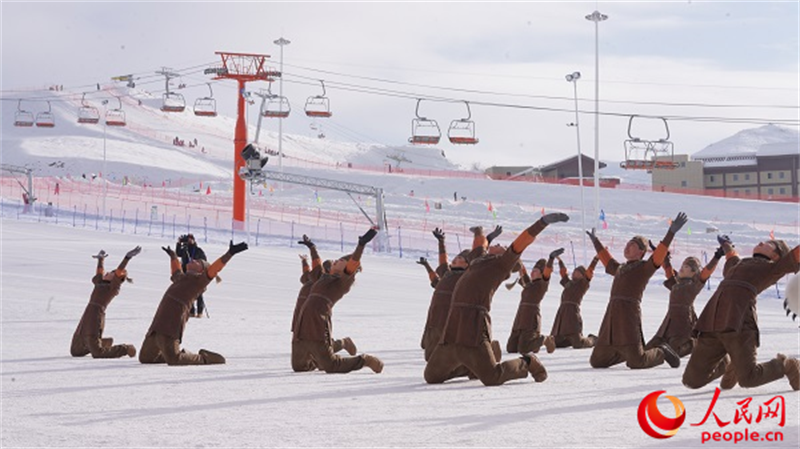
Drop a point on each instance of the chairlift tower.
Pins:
(242, 67)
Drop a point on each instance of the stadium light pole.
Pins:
(105, 174)
(281, 43)
(596, 17)
(573, 78)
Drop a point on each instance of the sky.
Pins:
(686, 60)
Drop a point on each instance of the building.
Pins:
(505, 172)
(556, 171)
(759, 163)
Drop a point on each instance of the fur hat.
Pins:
(326, 266)
(540, 264)
(581, 269)
(781, 247)
(640, 241)
(693, 262)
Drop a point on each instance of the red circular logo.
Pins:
(648, 413)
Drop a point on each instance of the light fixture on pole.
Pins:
(105, 174)
(596, 17)
(282, 43)
(573, 78)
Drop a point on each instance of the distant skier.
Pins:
(309, 277)
(684, 286)
(727, 329)
(526, 332)
(466, 346)
(163, 339)
(88, 337)
(620, 338)
(568, 325)
(313, 345)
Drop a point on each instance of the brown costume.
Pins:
(313, 346)
(162, 341)
(88, 337)
(676, 329)
(526, 333)
(620, 338)
(568, 325)
(728, 325)
(466, 345)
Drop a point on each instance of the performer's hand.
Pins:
(555, 217)
(367, 237)
(134, 252)
(678, 222)
(237, 248)
(100, 255)
(439, 234)
(556, 253)
(306, 241)
(169, 251)
(494, 234)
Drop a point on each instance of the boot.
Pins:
(107, 342)
(497, 351)
(791, 368)
(131, 350)
(535, 367)
(349, 346)
(592, 338)
(670, 356)
(550, 344)
(729, 378)
(373, 363)
(211, 358)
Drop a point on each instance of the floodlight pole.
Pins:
(573, 78)
(596, 17)
(105, 173)
(282, 43)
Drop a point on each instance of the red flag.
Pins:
(208, 190)
(772, 234)
(605, 224)
(427, 206)
(543, 212)
(490, 206)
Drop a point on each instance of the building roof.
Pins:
(767, 140)
(562, 162)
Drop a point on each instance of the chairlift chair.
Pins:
(46, 119)
(462, 131)
(116, 117)
(206, 106)
(172, 102)
(318, 105)
(424, 131)
(644, 154)
(277, 107)
(88, 114)
(23, 118)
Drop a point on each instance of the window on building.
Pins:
(747, 191)
(711, 178)
(780, 175)
(769, 175)
(683, 183)
(783, 191)
(747, 176)
(770, 191)
(735, 177)
(508, 173)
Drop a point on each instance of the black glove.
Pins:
(237, 248)
(652, 247)
(719, 253)
(439, 234)
(367, 237)
(422, 261)
(169, 251)
(723, 239)
(678, 222)
(555, 217)
(100, 255)
(132, 253)
(477, 230)
(306, 241)
(556, 253)
(494, 234)
(592, 235)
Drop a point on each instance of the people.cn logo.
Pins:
(649, 414)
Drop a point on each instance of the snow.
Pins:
(749, 142)
(50, 399)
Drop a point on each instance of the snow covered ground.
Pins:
(51, 399)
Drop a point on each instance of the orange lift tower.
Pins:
(242, 67)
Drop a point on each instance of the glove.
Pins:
(652, 247)
(719, 252)
(555, 217)
(306, 241)
(439, 234)
(422, 261)
(678, 222)
(367, 237)
(133, 252)
(494, 234)
(556, 253)
(100, 255)
(723, 239)
(237, 248)
(477, 230)
(169, 251)
(592, 235)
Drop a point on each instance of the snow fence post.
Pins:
(458, 240)
(205, 229)
(258, 228)
(74, 213)
(123, 220)
(291, 240)
(341, 234)
(400, 242)
(163, 220)
(173, 225)
(84, 215)
(110, 218)
(188, 224)
(136, 221)
(97, 218)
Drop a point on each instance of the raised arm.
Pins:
(439, 234)
(602, 253)
(660, 253)
(312, 249)
(731, 256)
(562, 272)
(355, 260)
(128, 256)
(174, 263)
(100, 270)
(590, 270)
(434, 278)
(524, 277)
(219, 264)
(548, 269)
(708, 270)
(525, 238)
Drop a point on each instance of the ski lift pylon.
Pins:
(462, 131)
(88, 114)
(276, 106)
(46, 119)
(644, 154)
(206, 106)
(22, 118)
(318, 105)
(116, 117)
(424, 131)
